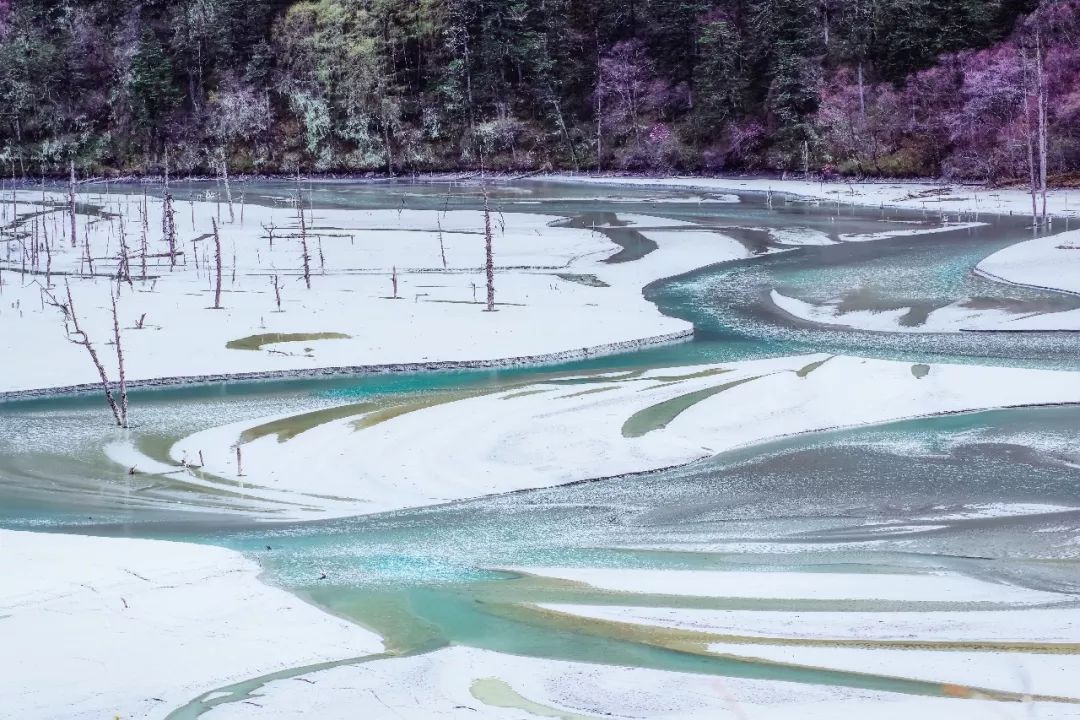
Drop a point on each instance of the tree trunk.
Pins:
(71, 207)
(217, 262)
(442, 247)
(489, 264)
(1032, 183)
(862, 93)
(1041, 83)
(228, 187)
(120, 364)
(599, 112)
(303, 230)
(79, 337)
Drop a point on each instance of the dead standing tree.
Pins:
(120, 363)
(303, 231)
(168, 218)
(71, 207)
(489, 257)
(1035, 119)
(78, 336)
(223, 166)
(217, 263)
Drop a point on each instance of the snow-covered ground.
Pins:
(98, 628)
(1051, 262)
(900, 587)
(1026, 625)
(939, 198)
(552, 432)
(956, 317)
(547, 302)
(1016, 647)
(466, 683)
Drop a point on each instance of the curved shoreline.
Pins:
(363, 370)
(997, 278)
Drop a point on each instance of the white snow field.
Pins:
(939, 198)
(1015, 625)
(1052, 263)
(170, 330)
(551, 432)
(927, 587)
(463, 682)
(98, 628)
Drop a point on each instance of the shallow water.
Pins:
(919, 495)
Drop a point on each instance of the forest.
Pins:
(965, 89)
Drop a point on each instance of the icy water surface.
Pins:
(988, 494)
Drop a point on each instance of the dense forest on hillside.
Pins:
(876, 87)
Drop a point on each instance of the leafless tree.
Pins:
(217, 262)
(277, 293)
(224, 169)
(489, 261)
(71, 206)
(168, 217)
(393, 281)
(442, 247)
(1041, 89)
(270, 233)
(78, 336)
(303, 231)
(120, 364)
(123, 269)
(144, 230)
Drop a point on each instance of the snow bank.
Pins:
(463, 683)
(551, 433)
(900, 587)
(1026, 625)
(169, 330)
(1052, 263)
(939, 198)
(955, 317)
(100, 628)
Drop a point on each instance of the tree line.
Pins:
(875, 87)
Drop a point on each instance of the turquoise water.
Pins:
(866, 500)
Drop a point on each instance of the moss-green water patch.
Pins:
(590, 391)
(656, 417)
(596, 377)
(256, 342)
(694, 642)
(290, 427)
(389, 413)
(807, 369)
(692, 376)
(586, 279)
(525, 393)
(920, 371)
(494, 692)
